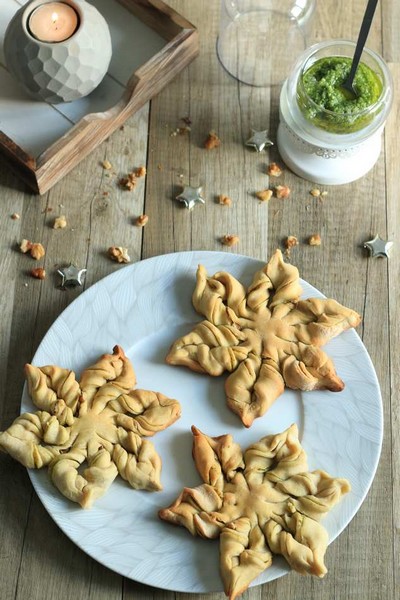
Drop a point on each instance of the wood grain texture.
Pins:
(36, 560)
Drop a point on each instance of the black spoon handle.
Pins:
(362, 37)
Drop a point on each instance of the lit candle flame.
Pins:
(54, 17)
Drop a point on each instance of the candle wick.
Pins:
(54, 17)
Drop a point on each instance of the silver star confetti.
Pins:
(71, 276)
(191, 196)
(378, 247)
(259, 140)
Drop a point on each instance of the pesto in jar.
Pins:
(332, 107)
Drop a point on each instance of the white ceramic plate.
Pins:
(144, 308)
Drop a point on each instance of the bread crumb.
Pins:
(314, 240)
(35, 249)
(38, 273)
(119, 254)
(224, 200)
(324, 194)
(315, 192)
(230, 240)
(106, 165)
(212, 141)
(282, 191)
(60, 222)
(274, 170)
(142, 220)
(264, 195)
(15, 216)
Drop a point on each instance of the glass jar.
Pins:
(254, 37)
(333, 146)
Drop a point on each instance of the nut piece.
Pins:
(314, 240)
(142, 220)
(15, 216)
(274, 170)
(264, 195)
(315, 192)
(224, 200)
(291, 241)
(282, 191)
(60, 222)
(212, 141)
(140, 172)
(128, 182)
(230, 240)
(106, 165)
(35, 249)
(119, 254)
(38, 273)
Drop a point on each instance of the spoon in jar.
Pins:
(348, 84)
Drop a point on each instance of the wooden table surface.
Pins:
(37, 561)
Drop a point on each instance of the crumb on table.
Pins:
(142, 220)
(129, 182)
(38, 273)
(314, 240)
(230, 240)
(119, 254)
(60, 222)
(224, 200)
(264, 195)
(291, 241)
(282, 191)
(212, 141)
(140, 172)
(35, 249)
(274, 170)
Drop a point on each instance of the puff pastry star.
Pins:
(259, 503)
(264, 336)
(99, 422)
(259, 140)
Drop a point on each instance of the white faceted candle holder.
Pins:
(59, 71)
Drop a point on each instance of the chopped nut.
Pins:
(35, 249)
(315, 192)
(140, 172)
(128, 182)
(212, 141)
(142, 220)
(15, 216)
(60, 222)
(38, 273)
(119, 254)
(282, 191)
(264, 195)
(106, 165)
(314, 240)
(274, 170)
(230, 240)
(224, 200)
(291, 241)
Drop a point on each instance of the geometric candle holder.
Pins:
(59, 71)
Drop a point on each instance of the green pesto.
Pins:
(322, 83)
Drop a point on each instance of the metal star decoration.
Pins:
(71, 276)
(259, 140)
(378, 247)
(191, 196)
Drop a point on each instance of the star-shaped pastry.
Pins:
(259, 140)
(265, 336)
(378, 247)
(259, 503)
(98, 423)
(191, 196)
(71, 276)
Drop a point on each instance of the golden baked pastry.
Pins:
(99, 422)
(259, 503)
(265, 337)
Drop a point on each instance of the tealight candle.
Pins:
(53, 22)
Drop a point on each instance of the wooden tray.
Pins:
(151, 44)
